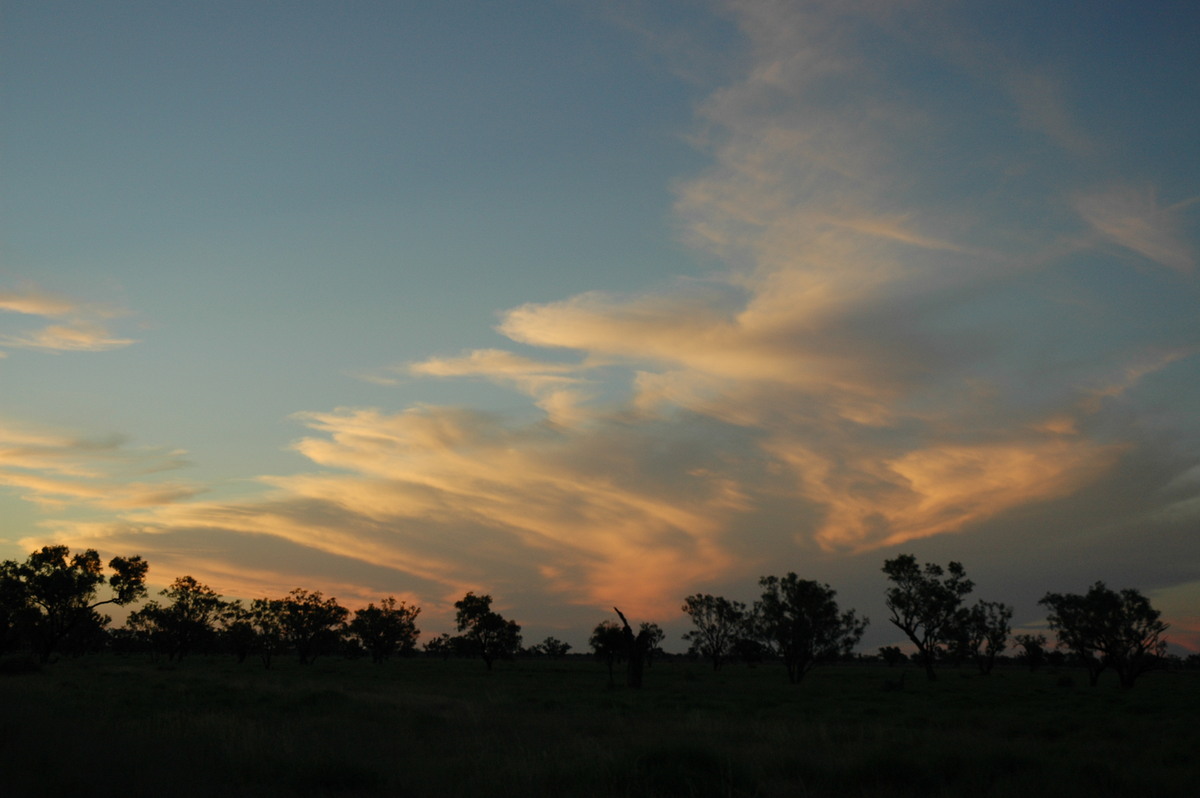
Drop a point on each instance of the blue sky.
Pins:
(584, 304)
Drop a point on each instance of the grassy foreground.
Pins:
(107, 726)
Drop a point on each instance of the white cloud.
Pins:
(1134, 219)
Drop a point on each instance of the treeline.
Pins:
(50, 605)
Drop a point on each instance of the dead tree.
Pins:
(636, 649)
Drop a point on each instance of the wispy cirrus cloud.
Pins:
(557, 389)
(453, 500)
(78, 326)
(1133, 218)
(55, 470)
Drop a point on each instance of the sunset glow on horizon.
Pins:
(596, 304)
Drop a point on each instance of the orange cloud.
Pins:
(458, 500)
(56, 469)
(81, 329)
(872, 500)
(556, 393)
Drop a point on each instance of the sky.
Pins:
(596, 304)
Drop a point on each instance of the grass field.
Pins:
(108, 726)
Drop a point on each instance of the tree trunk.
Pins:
(636, 647)
(927, 661)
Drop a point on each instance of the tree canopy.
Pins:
(799, 619)
(718, 623)
(310, 622)
(390, 628)
(924, 603)
(1104, 628)
(54, 594)
(487, 633)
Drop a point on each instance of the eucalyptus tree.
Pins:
(799, 620)
(182, 624)
(718, 623)
(654, 636)
(265, 619)
(54, 594)
(552, 647)
(485, 632)
(390, 628)
(607, 642)
(986, 627)
(1104, 628)
(311, 623)
(924, 603)
(1033, 649)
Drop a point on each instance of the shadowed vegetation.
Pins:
(450, 728)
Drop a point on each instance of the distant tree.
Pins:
(985, 629)
(143, 631)
(311, 623)
(800, 621)
(924, 603)
(654, 638)
(718, 624)
(183, 623)
(892, 655)
(553, 648)
(237, 630)
(441, 646)
(488, 634)
(1033, 649)
(608, 644)
(266, 619)
(53, 594)
(390, 628)
(1108, 629)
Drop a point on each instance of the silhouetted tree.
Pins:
(390, 628)
(986, 627)
(654, 638)
(636, 648)
(799, 619)
(1033, 649)
(1105, 628)
(552, 647)
(237, 630)
(892, 655)
(266, 618)
(142, 631)
(608, 644)
(311, 623)
(718, 621)
(441, 646)
(54, 593)
(17, 614)
(182, 624)
(488, 633)
(924, 603)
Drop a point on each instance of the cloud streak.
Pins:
(1132, 218)
(54, 469)
(81, 326)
